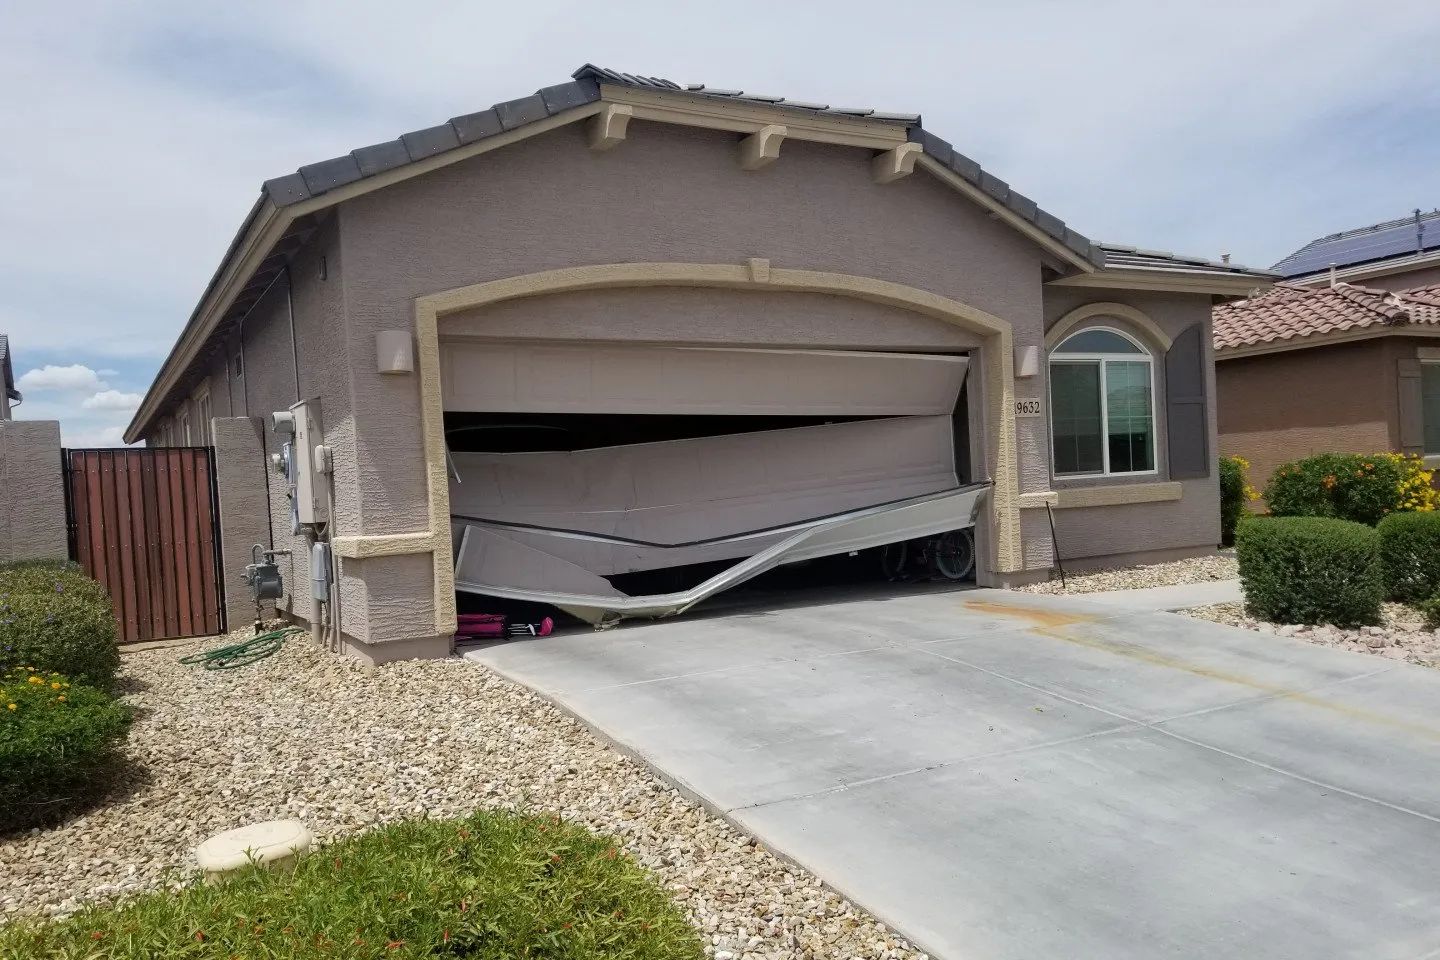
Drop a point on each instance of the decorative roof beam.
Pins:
(610, 125)
(762, 147)
(893, 164)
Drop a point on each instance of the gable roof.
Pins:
(1290, 316)
(283, 218)
(1397, 240)
(316, 179)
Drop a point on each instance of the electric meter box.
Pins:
(309, 482)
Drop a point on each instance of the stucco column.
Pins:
(32, 491)
(242, 480)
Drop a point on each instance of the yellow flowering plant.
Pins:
(1362, 487)
(56, 741)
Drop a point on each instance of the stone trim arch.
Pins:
(754, 274)
(1072, 320)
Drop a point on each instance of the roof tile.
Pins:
(379, 157)
(1289, 312)
(477, 126)
(420, 144)
(329, 174)
(517, 113)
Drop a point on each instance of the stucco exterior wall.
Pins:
(665, 194)
(1423, 276)
(32, 506)
(243, 486)
(1189, 524)
(1280, 406)
(1342, 398)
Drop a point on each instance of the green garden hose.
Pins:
(236, 655)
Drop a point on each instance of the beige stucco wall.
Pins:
(32, 505)
(1188, 524)
(667, 194)
(1342, 398)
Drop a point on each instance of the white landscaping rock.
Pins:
(1402, 636)
(345, 747)
(1219, 566)
(273, 842)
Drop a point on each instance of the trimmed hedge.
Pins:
(1310, 570)
(54, 618)
(1234, 491)
(1410, 555)
(493, 886)
(56, 738)
(1365, 488)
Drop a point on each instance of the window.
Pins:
(1430, 405)
(1102, 409)
(202, 416)
(183, 429)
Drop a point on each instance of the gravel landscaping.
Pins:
(343, 746)
(1220, 566)
(1402, 637)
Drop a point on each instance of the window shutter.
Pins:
(1187, 423)
(1412, 408)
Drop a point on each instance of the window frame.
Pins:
(1145, 356)
(1431, 457)
(203, 414)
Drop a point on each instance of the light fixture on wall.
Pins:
(394, 352)
(1027, 361)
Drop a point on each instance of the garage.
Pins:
(637, 479)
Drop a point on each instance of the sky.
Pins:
(137, 134)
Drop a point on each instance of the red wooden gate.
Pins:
(144, 523)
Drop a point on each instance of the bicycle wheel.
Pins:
(953, 555)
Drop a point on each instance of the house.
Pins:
(9, 396)
(1343, 368)
(622, 326)
(1396, 255)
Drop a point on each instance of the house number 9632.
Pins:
(1027, 408)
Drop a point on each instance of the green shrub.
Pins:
(1410, 555)
(55, 740)
(56, 619)
(1310, 570)
(1363, 488)
(1235, 489)
(493, 886)
(43, 576)
(1431, 609)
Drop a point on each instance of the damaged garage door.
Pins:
(551, 519)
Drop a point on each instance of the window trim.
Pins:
(1147, 357)
(203, 405)
(1431, 457)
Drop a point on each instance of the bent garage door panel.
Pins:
(510, 377)
(555, 523)
(681, 491)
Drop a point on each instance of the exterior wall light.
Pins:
(394, 352)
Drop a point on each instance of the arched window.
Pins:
(1102, 404)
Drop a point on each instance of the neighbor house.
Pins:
(1395, 255)
(623, 325)
(1343, 368)
(9, 396)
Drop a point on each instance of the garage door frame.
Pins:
(994, 379)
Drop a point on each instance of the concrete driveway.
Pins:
(1002, 775)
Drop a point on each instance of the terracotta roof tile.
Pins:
(1288, 312)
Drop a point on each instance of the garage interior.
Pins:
(612, 480)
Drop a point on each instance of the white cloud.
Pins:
(75, 378)
(108, 373)
(92, 436)
(112, 400)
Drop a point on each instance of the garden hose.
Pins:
(243, 654)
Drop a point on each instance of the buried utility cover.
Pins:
(269, 843)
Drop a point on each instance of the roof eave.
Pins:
(1374, 268)
(1353, 335)
(1176, 281)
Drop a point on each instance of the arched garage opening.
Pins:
(609, 441)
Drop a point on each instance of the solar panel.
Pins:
(1376, 244)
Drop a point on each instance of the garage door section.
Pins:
(872, 459)
(711, 381)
